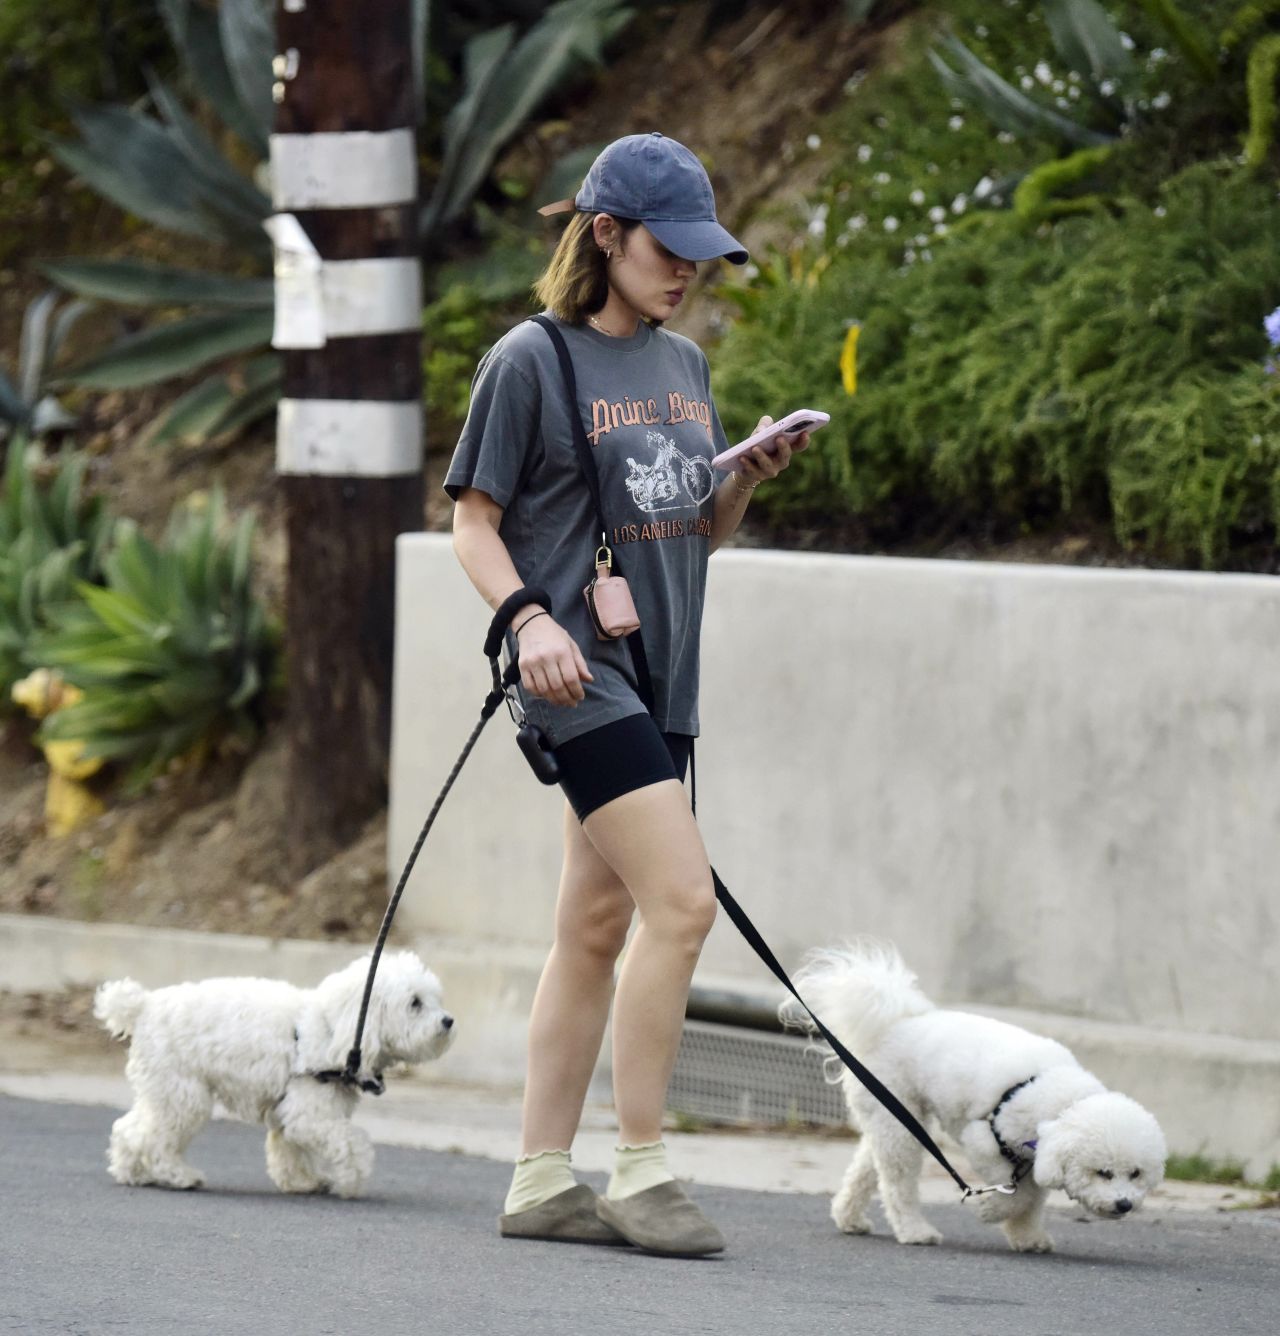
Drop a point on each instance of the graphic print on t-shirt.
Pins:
(672, 482)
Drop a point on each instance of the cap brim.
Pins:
(704, 239)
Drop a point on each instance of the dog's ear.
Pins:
(1049, 1168)
(335, 1009)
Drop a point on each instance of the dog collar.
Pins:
(1023, 1156)
(371, 1085)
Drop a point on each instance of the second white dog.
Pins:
(1021, 1106)
(256, 1046)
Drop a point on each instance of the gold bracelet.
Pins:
(739, 489)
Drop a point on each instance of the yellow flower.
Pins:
(65, 759)
(849, 359)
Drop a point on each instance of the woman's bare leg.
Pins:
(571, 1006)
(651, 841)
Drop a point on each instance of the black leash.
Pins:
(350, 1074)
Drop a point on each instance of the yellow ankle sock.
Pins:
(538, 1178)
(636, 1168)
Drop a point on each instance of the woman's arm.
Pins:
(551, 664)
(734, 494)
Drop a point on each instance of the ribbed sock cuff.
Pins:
(636, 1168)
(538, 1178)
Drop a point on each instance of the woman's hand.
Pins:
(551, 664)
(759, 465)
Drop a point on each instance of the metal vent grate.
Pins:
(728, 1074)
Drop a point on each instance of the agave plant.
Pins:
(26, 406)
(159, 165)
(52, 538)
(1089, 43)
(173, 655)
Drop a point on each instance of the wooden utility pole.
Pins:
(349, 445)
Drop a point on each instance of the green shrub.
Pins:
(174, 654)
(52, 538)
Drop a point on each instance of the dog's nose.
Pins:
(446, 1023)
(1124, 1206)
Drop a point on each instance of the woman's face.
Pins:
(645, 274)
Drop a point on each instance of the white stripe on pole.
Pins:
(356, 438)
(371, 296)
(357, 169)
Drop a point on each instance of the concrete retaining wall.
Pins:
(1057, 789)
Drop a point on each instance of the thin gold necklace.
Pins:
(602, 329)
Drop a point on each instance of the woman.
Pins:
(645, 217)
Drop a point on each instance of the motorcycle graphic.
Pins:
(656, 487)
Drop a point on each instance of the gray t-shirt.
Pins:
(645, 403)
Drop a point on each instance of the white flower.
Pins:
(983, 188)
(1074, 76)
(1059, 86)
(1073, 93)
(941, 230)
(960, 203)
(882, 178)
(1107, 87)
(917, 196)
(814, 141)
(981, 29)
(1027, 82)
(1006, 137)
(864, 152)
(1126, 41)
(937, 214)
(891, 224)
(1157, 54)
(1043, 72)
(817, 227)
(956, 122)
(1062, 102)
(1161, 101)
(908, 256)
(1159, 211)
(857, 222)
(750, 271)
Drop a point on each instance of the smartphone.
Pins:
(803, 419)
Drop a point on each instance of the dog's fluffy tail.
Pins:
(118, 1005)
(858, 991)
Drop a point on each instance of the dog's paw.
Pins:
(850, 1222)
(183, 1180)
(1029, 1242)
(923, 1234)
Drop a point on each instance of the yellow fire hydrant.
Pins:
(68, 801)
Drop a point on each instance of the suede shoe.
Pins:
(662, 1219)
(568, 1217)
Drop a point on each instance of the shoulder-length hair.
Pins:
(575, 283)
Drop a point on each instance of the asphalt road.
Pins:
(82, 1256)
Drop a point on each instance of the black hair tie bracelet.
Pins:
(506, 612)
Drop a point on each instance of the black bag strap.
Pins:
(644, 683)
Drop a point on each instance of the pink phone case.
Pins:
(803, 419)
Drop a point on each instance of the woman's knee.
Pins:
(596, 927)
(683, 914)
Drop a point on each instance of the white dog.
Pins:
(1021, 1107)
(257, 1047)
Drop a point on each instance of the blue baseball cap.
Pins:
(662, 184)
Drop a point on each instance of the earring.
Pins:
(608, 254)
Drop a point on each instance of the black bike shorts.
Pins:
(631, 753)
